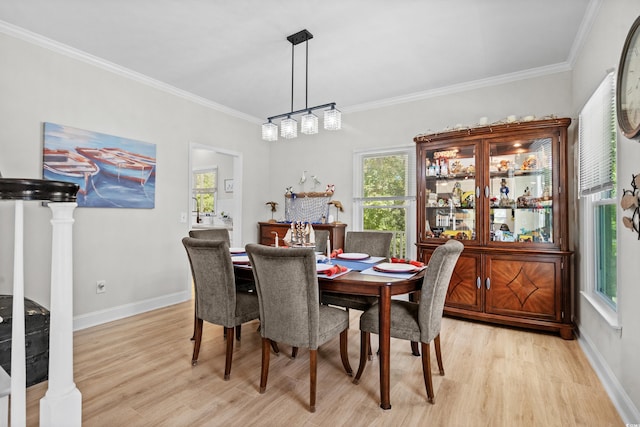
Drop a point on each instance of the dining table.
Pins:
(383, 287)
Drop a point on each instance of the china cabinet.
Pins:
(502, 190)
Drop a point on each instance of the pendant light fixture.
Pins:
(308, 121)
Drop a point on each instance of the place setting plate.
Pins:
(352, 256)
(240, 259)
(237, 250)
(388, 267)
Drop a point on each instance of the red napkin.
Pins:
(408, 261)
(335, 270)
(336, 252)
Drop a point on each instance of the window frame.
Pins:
(195, 191)
(410, 199)
(590, 199)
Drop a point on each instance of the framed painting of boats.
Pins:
(112, 171)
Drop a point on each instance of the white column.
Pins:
(18, 367)
(62, 404)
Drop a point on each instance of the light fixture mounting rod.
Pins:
(299, 37)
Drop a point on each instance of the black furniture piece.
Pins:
(36, 319)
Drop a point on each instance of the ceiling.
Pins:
(364, 53)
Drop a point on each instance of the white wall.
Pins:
(615, 354)
(137, 251)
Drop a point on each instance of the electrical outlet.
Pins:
(183, 217)
(101, 286)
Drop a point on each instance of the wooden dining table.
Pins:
(383, 287)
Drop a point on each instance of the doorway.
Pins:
(225, 210)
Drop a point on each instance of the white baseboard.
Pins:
(626, 408)
(103, 316)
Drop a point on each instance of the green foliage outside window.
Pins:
(606, 250)
(385, 183)
(204, 189)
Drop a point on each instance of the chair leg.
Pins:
(426, 372)
(364, 347)
(294, 352)
(313, 376)
(195, 321)
(414, 349)
(436, 341)
(274, 346)
(414, 297)
(197, 338)
(344, 352)
(264, 374)
(229, 354)
(238, 332)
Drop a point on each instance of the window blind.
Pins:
(597, 139)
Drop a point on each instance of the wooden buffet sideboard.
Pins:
(266, 229)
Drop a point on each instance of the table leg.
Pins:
(385, 345)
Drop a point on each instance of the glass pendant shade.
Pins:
(332, 119)
(309, 124)
(288, 128)
(269, 131)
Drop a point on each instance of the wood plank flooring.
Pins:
(137, 372)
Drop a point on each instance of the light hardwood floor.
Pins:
(137, 372)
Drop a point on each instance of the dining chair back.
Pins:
(211, 234)
(374, 243)
(321, 237)
(217, 301)
(419, 321)
(290, 312)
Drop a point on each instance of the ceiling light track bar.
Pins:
(304, 110)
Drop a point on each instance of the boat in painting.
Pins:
(69, 166)
(151, 161)
(120, 164)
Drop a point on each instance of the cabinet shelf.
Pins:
(451, 177)
(518, 172)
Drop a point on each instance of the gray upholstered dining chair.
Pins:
(290, 310)
(211, 234)
(417, 321)
(321, 237)
(241, 285)
(217, 301)
(374, 243)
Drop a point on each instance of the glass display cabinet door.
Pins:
(451, 193)
(520, 188)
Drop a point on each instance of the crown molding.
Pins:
(46, 43)
(462, 87)
(583, 32)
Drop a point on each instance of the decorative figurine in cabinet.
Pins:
(502, 190)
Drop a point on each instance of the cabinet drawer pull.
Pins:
(477, 192)
(486, 191)
(478, 282)
(487, 283)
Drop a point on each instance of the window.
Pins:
(205, 187)
(384, 189)
(597, 190)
